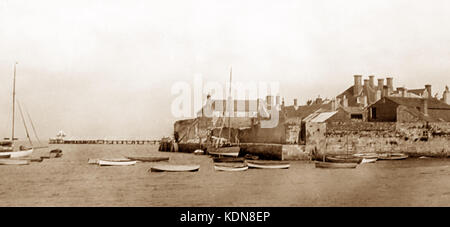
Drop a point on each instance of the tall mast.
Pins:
(229, 111)
(13, 102)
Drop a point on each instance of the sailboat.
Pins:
(7, 147)
(220, 149)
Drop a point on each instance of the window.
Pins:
(356, 116)
(374, 113)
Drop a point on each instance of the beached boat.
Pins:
(393, 156)
(175, 168)
(331, 165)
(199, 152)
(102, 162)
(230, 167)
(343, 159)
(92, 161)
(4, 155)
(260, 164)
(40, 159)
(14, 162)
(368, 160)
(228, 159)
(19, 154)
(366, 155)
(224, 151)
(147, 159)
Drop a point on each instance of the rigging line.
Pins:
(24, 124)
(32, 126)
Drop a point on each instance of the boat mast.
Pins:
(229, 111)
(13, 102)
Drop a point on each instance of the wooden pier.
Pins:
(103, 141)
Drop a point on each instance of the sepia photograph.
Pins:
(224, 103)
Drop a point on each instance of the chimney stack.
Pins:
(428, 89)
(401, 91)
(371, 81)
(380, 84)
(425, 107)
(446, 96)
(366, 83)
(357, 87)
(385, 92)
(390, 84)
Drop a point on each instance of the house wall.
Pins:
(386, 111)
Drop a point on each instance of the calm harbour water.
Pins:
(71, 181)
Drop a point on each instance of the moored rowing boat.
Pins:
(175, 168)
(147, 159)
(267, 164)
(394, 156)
(343, 159)
(230, 167)
(228, 159)
(331, 165)
(102, 162)
(14, 162)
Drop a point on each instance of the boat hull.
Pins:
(14, 162)
(116, 163)
(230, 168)
(148, 159)
(5, 156)
(228, 159)
(331, 165)
(18, 154)
(369, 160)
(224, 151)
(343, 159)
(268, 165)
(393, 157)
(175, 168)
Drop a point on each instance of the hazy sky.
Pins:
(106, 68)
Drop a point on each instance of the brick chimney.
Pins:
(371, 81)
(380, 84)
(425, 107)
(385, 91)
(295, 102)
(357, 86)
(428, 90)
(446, 96)
(390, 84)
(366, 83)
(401, 91)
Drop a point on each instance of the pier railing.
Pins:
(102, 141)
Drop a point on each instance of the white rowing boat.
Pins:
(268, 164)
(14, 162)
(369, 160)
(102, 162)
(18, 154)
(175, 168)
(230, 167)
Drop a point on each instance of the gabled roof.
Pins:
(319, 117)
(304, 111)
(418, 102)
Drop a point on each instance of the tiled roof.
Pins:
(418, 102)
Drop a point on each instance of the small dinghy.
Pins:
(40, 159)
(331, 165)
(228, 159)
(394, 156)
(5, 155)
(199, 152)
(268, 164)
(175, 168)
(230, 167)
(147, 159)
(224, 151)
(367, 155)
(369, 160)
(14, 162)
(102, 162)
(343, 159)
